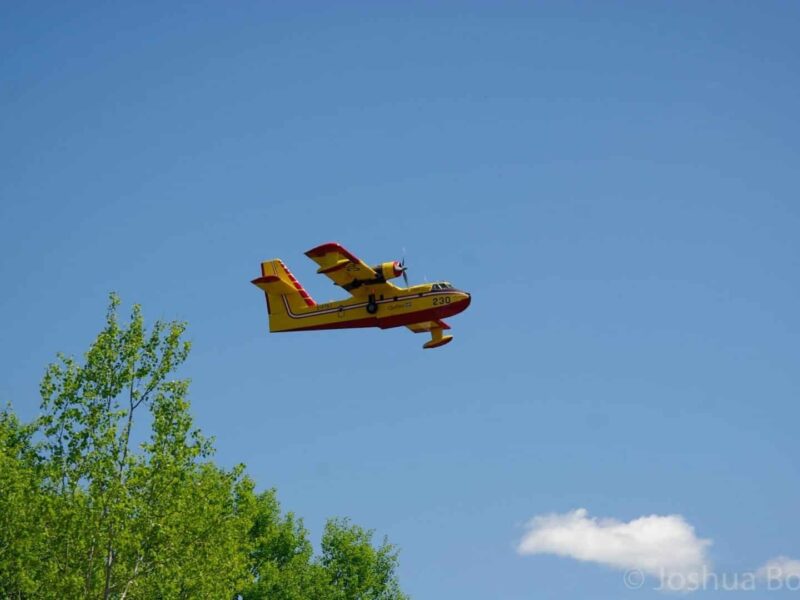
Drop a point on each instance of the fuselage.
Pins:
(405, 306)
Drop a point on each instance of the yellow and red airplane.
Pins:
(375, 301)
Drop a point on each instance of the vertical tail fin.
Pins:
(283, 292)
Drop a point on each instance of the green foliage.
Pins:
(357, 569)
(20, 482)
(87, 513)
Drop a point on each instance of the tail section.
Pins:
(284, 294)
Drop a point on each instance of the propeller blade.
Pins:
(403, 267)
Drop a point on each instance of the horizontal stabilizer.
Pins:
(272, 284)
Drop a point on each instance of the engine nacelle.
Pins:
(389, 270)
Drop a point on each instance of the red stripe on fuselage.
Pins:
(428, 314)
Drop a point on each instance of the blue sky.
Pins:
(615, 183)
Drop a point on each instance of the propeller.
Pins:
(403, 270)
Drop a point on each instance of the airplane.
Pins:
(375, 302)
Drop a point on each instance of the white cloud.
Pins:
(780, 568)
(661, 546)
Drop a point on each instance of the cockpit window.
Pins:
(444, 285)
(436, 286)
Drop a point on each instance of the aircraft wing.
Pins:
(349, 272)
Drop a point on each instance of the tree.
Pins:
(358, 570)
(85, 512)
(20, 483)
